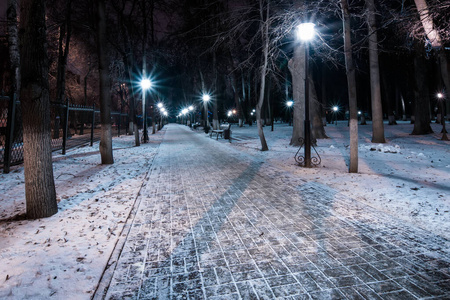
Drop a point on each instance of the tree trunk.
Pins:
(296, 65)
(65, 31)
(436, 41)
(13, 45)
(35, 101)
(318, 130)
(106, 151)
(421, 95)
(351, 83)
(265, 43)
(14, 56)
(377, 111)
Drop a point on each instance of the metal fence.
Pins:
(72, 126)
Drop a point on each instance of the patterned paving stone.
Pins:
(214, 223)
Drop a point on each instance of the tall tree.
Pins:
(351, 83)
(35, 102)
(374, 66)
(296, 65)
(264, 28)
(106, 150)
(434, 37)
(65, 32)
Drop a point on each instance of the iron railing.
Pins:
(72, 126)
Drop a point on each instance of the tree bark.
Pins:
(14, 57)
(318, 130)
(65, 32)
(436, 41)
(377, 110)
(351, 83)
(106, 151)
(265, 43)
(421, 95)
(35, 101)
(296, 65)
(13, 45)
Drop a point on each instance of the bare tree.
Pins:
(375, 86)
(351, 83)
(296, 67)
(106, 151)
(434, 37)
(34, 94)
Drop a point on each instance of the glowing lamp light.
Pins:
(234, 111)
(184, 111)
(254, 110)
(146, 84)
(206, 97)
(251, 113)
(162, 109)
(191, 108)
(440, 95)
(290, 103)
(160, 105)
(230, 113)
(335, 108)
(166, 113)
(359, 112)
(305, 31)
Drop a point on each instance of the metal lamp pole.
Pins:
(206, 98)
(145, 84)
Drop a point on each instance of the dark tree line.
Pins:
(380, 54)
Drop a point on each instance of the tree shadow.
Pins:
(189, 250)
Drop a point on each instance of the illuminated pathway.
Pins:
(213, 223)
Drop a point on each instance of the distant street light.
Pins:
(205, 99)
(335, 112)
(289, 104)
(145, 85)
(441, 98)
(305, 33)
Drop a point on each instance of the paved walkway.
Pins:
(213, 223)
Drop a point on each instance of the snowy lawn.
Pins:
(63, 257)
(407, 178)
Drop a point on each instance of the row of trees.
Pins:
(242, 52)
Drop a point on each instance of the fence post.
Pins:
(9, 133)
(92, 124)
(66, 127)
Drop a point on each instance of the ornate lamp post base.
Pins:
(302, 161)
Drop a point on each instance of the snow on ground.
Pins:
(407, 178)
(63, 257)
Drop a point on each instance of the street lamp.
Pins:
(206, 98)
(441, 98)
(335, 111)
(289, 104)
(305, 32)
(145, 85)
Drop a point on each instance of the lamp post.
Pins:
(206, 98)
(335, 111)
(145, 84)
(441, 98)
(305, 32)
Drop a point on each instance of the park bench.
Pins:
(222, 132)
